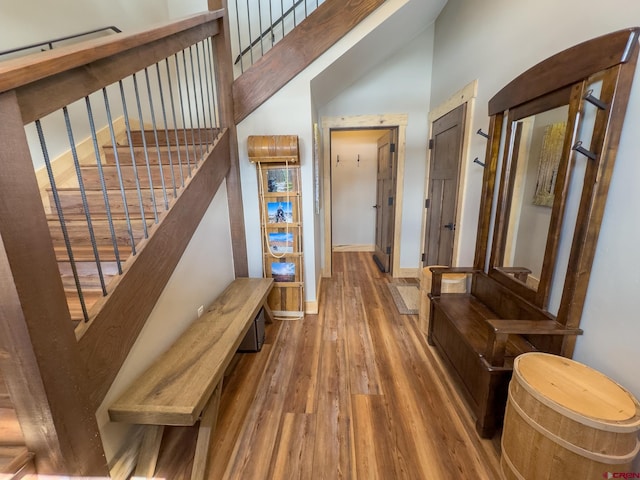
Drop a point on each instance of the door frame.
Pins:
(467, 95)
(362, 122)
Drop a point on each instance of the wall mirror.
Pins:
(560, 123)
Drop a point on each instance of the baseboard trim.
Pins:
(313, 307)
(354, 248)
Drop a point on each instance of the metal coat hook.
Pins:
(358, 160)
(337, 160)
(476, 160)
(595, 101)
(482, 134)
(587, 153)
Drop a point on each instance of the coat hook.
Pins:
(337, 160)
(358, 160)
(475, 160)
(595, 101)
(482, 134)
(587, 153)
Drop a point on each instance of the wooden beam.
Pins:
(53, 92)
(39, 357)
(299, 48)
(108, 339)
(222, 47)
(24, 70)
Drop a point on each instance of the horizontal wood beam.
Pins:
(53, 92)
(109, 338)
(297, 50)
(24, 70)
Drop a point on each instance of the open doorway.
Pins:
(363, 164)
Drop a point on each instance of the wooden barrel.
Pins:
(273, 148)
(566, 420)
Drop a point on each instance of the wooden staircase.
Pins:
(168, 164)
(15, 459)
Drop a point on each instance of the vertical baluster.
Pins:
(63, 224)
(271, 23)
(155, 136)
(103, 185)
(83, 196)
(207, 130)
(195, 101)
(175, 122)
(166, 131)
(293, 6)
(306, 13)
(240, 49)
(186, 82)
(282, 17)
(114, 144)
(184, 121)
(133, 160)
(260, 27)
(250, 36)
(145, 149)
(207, 64)
(211, 65)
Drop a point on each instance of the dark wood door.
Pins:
(385, 200)
(444, 170)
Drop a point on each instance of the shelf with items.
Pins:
(279, 185)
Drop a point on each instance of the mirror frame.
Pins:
(559, 80)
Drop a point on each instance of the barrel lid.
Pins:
(576, 387)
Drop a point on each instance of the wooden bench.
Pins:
(479, 334)
(184, 384)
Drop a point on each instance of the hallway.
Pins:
(353, 392)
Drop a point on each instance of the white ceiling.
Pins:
(404, 25)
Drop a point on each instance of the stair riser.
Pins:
(71, 202)
(78, 233)
(91, 177)
(183, 139)
(188, 156)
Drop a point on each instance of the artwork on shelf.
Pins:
(280, 212)
(283, 272)
(281, 242)
(279, 180)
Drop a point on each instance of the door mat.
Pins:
(406, 297)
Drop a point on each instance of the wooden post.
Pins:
(222, 48)
(38, 350)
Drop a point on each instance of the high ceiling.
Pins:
(404, 25)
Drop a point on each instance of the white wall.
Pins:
(496, 40)
(400, 84)
(353, 187)
(204, 271)
(290, 112)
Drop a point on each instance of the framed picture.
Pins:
(281, 242)
(283, 271)
(280, 179)
(279, 212)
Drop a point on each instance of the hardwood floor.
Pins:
(353, 392)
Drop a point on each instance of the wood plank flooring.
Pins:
(351, 393)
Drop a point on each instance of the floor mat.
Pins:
(406, 297)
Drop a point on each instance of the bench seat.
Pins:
(183, 385)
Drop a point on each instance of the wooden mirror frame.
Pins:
(561, 77)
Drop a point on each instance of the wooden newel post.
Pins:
(38, 349)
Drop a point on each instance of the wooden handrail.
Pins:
(18, 72)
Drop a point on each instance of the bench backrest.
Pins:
(510, 306)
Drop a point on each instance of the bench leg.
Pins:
(268, 314)
(207, 427)
(149, 450)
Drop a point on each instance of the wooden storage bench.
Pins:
(184, 384)
(479, 334)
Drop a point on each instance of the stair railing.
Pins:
(259, 24)
(150, 104)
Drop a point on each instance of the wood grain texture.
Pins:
(21, 71)
(417, 426)
(40, 361)
(567, 67)
(149, 450)
(105, 342)
(175, 389)
(206, 429)
(326, 25)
